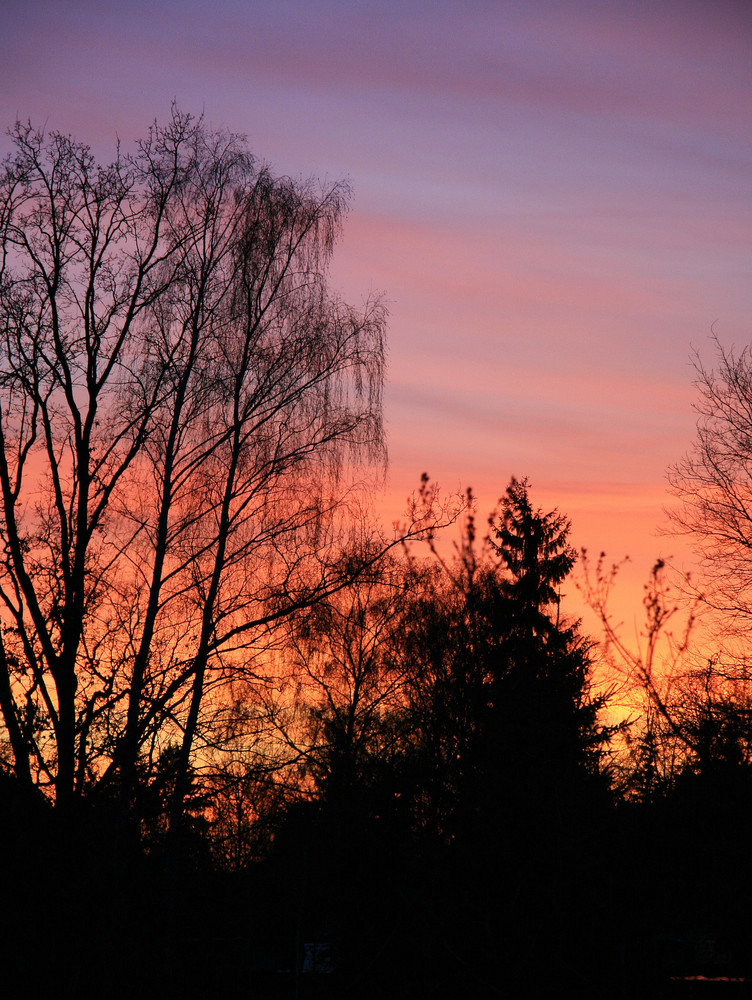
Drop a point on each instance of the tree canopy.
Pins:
(712, 486)
(181, 401)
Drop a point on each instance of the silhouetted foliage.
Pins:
(533, 547)
(549, 663)
(499, 789)
(685, 813)
(712, 485)
(181, 394)
(499, 682)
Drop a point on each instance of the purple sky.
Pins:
(555, 199)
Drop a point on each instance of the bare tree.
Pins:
(185, 410)
(712, 485)
(687, 712)
(344, 687)
(645, 676)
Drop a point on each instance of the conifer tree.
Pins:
(534, 549)
(545, 680)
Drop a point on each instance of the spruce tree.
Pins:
(544, 680)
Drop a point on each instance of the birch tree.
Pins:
(185, 413)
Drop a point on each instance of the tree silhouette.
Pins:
(712, 486)
(499, 681)
(534, 549)
(503, 767)
(181, 397)
(547, 661)
(347, 686)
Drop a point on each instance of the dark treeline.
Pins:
(420, 795)
(251, 745)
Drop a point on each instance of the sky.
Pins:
(554, 199)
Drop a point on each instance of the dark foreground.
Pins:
(630, 903)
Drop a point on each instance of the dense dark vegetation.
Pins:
(250, 745)
(425, 800)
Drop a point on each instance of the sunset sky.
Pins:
(554, 198)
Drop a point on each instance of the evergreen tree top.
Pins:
(534, 548)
